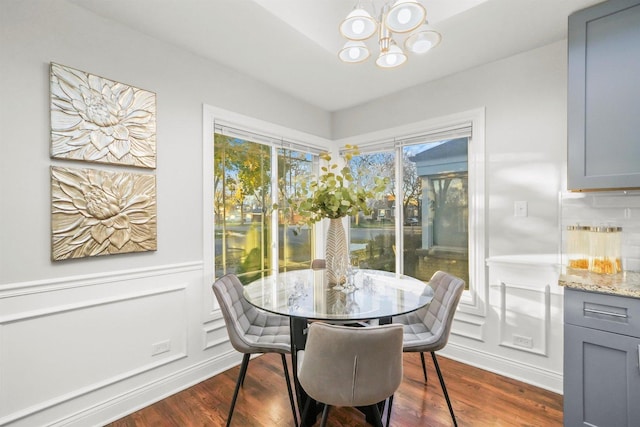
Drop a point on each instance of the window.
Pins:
(250, 172)
(435, 209)
(295, 242)
(431, 205)
(432, 216)
(372, 237)
(242, 195)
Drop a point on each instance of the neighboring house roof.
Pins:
(448, 157)
(451, 148)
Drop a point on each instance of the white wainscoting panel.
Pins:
(215, 332)
(522, 332)
(468, 326)
(68, 345)
(54, 355)
(525, 315)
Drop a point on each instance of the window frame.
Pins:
(473, 299)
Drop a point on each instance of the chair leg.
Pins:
(444, 388)
(389, 407)
(424, 366)
(325, 415)
(243, 372)
(286, 376)
(303, 416)
(377, 418)
(243, 375)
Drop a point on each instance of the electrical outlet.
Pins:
(522, 341)
(160, 347)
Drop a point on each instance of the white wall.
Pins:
(524, 97)
(76, 336)
(37, 32)
(525, 138)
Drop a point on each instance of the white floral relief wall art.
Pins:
(99, 120)
(96, 212)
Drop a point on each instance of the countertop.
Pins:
(626, 283)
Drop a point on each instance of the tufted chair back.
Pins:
(437, 317)
(250, 330)
(349, 366)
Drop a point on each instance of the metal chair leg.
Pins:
(389, 407)
(303, 416)
(424, 366)
(243, 372)
(325, 415)
(377, 418)
(286, 376)
(444, 388)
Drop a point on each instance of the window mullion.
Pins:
(398, 214)
(275, 231)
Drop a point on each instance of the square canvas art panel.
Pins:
(96, 212)
(98, 120)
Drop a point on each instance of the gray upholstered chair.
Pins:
(252, 331)
(349, 366)
(318, 264)
(428, 328)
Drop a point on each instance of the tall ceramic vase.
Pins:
(336, 253)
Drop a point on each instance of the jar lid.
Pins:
(578, 227)
(605, 229)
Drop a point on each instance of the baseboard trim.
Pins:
(530, 374)
(140, 397)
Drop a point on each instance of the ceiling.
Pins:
(292, 44)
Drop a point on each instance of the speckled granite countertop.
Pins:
(626, 283)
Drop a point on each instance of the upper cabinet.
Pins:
(604, 97)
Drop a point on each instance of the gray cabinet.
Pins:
(601, 360)
(604, 97)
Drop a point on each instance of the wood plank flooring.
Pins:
(479, 398)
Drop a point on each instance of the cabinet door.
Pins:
(601, 378)
(604, 97)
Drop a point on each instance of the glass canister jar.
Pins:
(616, 247)
(605, 250)
(578, 246)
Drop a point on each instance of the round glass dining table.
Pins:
(307, 295)
(366, 295)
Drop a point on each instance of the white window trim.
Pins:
(474, 300)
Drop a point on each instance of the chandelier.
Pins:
(404, 17)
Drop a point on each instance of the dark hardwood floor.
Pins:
(479, 398)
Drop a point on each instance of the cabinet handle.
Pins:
(606, 313)
(638, 357)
